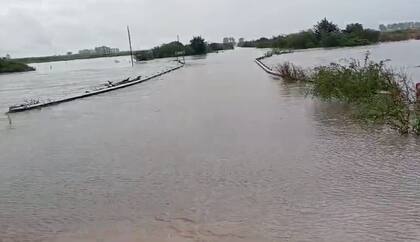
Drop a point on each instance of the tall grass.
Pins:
(291, 73)
(378, 93)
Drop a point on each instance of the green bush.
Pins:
(353, 82)
(377, 93)
(7, 66)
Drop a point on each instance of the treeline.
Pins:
(323, 34)
(8, 66)
(197, 46)
(399, 26)
(400, 35)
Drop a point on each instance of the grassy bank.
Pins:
(8, 66)
(376, 93)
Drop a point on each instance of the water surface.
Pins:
(216, 151)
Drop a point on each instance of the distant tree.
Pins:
(331, 39)
(399, 26)
(354, 28)
(371, 35)
(168, 50)
(325, 27)
(229, 40)
(198, 45)
(326, 34)
(302, 40)
(264, 43)
(382, 28)
(220, 46)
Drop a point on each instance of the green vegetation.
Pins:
(323, 34)
(166, 50)
(400, 35)
(220, 46)
(376, 93)
(197, 46)
(8, 66)
(327, 34)
(291, 73)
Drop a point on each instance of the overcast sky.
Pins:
(45, 27)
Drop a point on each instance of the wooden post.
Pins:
(418, 92)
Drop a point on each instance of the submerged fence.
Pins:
(123, 84)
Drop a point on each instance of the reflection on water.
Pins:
(217, 151)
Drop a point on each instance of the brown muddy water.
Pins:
(217, 151)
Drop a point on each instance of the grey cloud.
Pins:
(55, 26)
(22, 34)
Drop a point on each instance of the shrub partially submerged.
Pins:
(377, 93)
(291, 73)
(353, 82)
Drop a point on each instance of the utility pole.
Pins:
(131, 48)
(177, 57)
(183, 52)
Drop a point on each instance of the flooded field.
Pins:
(216, 151)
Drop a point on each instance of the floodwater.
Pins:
(216, 151)
(401, 56)
(55, 80)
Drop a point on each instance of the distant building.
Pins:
(115, 50)
(241, 40)
(8, 57)
(86, 52)
(69, 53)
(103, 50)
